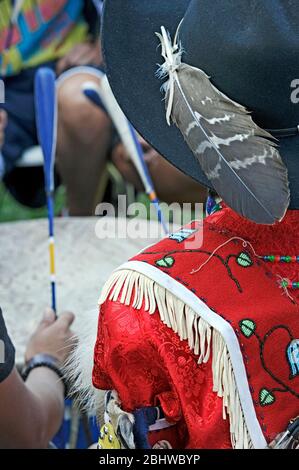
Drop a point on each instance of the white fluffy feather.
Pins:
(78, 368)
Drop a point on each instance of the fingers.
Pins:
(120, 153)
(82, 54)
(65, 320)
(78, 53)
(48, 318)
(86, 53)
(61, 65)
(65, 63)
(82, 57)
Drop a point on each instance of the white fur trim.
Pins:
(79, 366)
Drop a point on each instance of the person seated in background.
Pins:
(31, 412)
(166, 177)
(63, 35)
(60, 35)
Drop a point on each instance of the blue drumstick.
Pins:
(46, 123)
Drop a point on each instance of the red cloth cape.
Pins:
(147, 363)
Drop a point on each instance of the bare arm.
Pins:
(32, 412)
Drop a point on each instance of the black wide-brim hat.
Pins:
(249, 48)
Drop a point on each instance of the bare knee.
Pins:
(77, 116)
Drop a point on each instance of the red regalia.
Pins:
(217, 349)
(198, 340)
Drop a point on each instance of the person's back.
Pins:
(205, 328)
(184, 319)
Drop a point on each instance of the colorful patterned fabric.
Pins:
(146, 362)
(45, 30)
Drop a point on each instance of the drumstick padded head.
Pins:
(46, 120)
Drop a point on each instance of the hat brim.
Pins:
(132, 54)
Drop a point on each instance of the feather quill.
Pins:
(237, 156)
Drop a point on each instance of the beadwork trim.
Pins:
(280, 259)
(286, 284)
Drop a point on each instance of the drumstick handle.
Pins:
(50, 204)
(149, 186)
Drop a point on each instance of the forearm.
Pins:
(47, 390)
(30, 412)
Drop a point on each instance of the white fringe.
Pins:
(132, 288)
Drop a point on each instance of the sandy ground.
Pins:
(83, 263)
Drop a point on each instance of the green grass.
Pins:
(11, 210)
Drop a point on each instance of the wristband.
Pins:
(43, 360)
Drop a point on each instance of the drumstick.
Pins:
(103, 95)
(46, 123)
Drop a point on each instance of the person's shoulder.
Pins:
(190, 239)
(205, 257)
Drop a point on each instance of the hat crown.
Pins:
(250, 49)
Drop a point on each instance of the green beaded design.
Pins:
(166, 262)
(266, 397)
(248, 327)
(244, 260)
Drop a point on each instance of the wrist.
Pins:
(43, 380)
